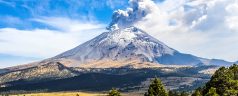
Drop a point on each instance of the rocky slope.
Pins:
(50, 70)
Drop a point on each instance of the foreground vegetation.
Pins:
(59, 94)
(224, 82)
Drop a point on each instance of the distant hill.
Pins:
(126, 79)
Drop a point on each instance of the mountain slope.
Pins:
(130, 43)
(50, 70)
(125, 44)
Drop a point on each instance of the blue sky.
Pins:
(20, 15)
(24, 10)
(32, 30)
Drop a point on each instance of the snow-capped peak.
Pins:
(121, 44)
(130, 43)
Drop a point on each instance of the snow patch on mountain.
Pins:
(121, 44)
(131, 43)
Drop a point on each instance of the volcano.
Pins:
(129, 44)
(123, 57)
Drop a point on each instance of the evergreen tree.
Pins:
(197, 93)
(224, 82)
(212, 92)
(184, 94)
(173, 93)
(114, 92)
(156, 88)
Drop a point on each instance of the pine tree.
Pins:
(156, 88)
(114, 92)
(212, 92)
(197, 93)
(173, 93)
(184, 94)
(225, 82)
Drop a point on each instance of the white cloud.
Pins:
(207, 35)
(37, 43)
(8, 3)
(232, 22)
(232, 18)
(205, 28)
(69, 25)
(44, 43)
(11, 21)
(114, 3)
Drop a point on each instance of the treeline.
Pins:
(224, 82)
(156, 88)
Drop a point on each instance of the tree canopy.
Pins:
(114, 92)
(224, 82)
(156, 88)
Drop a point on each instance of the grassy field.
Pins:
(62, 94)
(71, 94)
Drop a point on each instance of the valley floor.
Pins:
(72, 94)
(62, 94)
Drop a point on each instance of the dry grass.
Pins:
(73, 94)
(62, 94)
(118, 64)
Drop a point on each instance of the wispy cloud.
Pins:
(113, 4)
(46, 28)
(7, 3)
(69, 25)
(45, 43)
(10, 20)
(232, 18)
